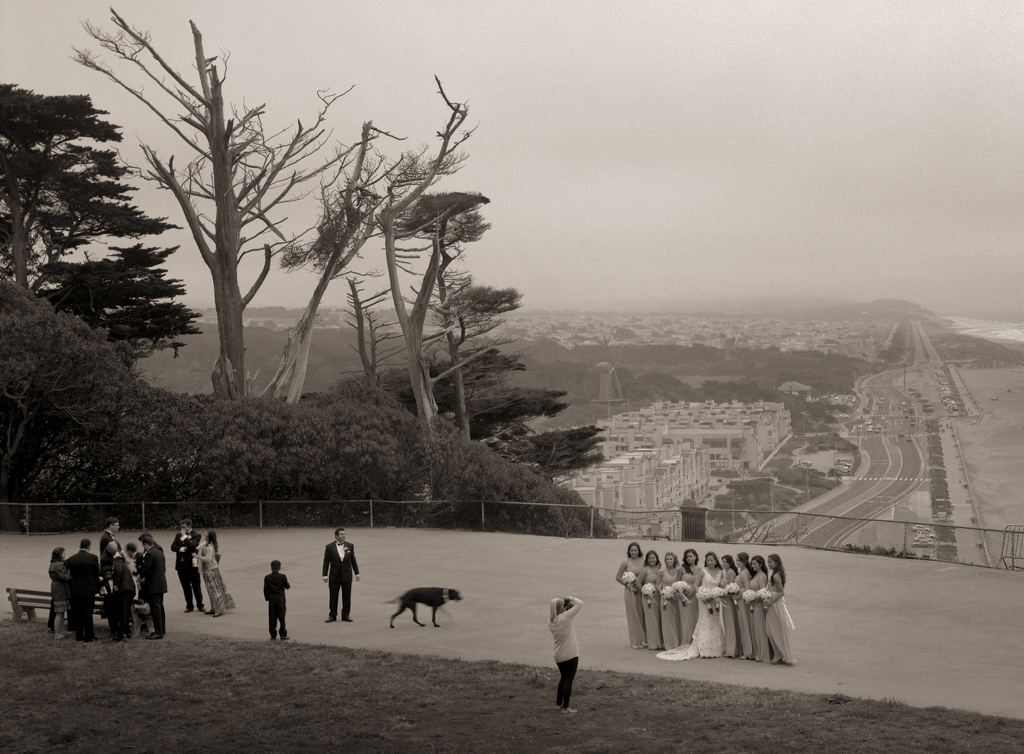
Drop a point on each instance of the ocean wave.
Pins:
(986, 328)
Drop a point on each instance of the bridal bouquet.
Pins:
(717, 593)
(765, 596)
(705, 596)
(667, 593)
(749, 596)
(679, 587)
(649, 591)
(628, 578)
(733, 590)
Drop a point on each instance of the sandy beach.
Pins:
(993, 445)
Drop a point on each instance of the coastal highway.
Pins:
(897, 448)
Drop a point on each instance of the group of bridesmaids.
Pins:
(670, 616)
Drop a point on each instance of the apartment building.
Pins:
(651, 478)
(738, 436)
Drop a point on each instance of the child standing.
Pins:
(274, 584)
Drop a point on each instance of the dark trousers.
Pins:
(127, 600)
(346, 598)
(568, 671)
(114, 612)
(275, 612)
(189, 578)
(156, 612)
(82, 608)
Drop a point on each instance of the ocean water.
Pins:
(986, 328)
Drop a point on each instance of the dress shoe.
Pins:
(201, 609)
(188, 609)
(347, 620)
(330, 620)
(151, 637)
(284, 638)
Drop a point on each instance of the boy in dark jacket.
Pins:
(274, 584)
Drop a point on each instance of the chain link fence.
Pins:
(952, 544)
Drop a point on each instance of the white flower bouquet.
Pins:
(667, 593)
(629, 579)
(705, 596)
(716, 594)
(649, 591)
(749, 596)
(679, 588)
(733, 591)
(765, 596)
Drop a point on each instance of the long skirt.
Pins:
(743, 620)
(688, 619)
(758, 634)
(733, 647)
(220, 600)
(671, 623)
(634, 617)
(652, 621)
(777, 626)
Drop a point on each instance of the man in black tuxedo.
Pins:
(110, 530)
(154, 585)
(84, 568)
(186, 544)
(339, 567)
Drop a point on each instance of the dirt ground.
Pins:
(921, 632)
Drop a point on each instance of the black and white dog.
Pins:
(431, 596)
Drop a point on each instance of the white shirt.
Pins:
(341, 549)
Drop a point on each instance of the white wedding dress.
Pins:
(708, 635)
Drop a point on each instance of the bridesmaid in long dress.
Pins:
(634, 563)
(671, 609)
(758, 581)
(729, 611)
(777, 622)
(651, 574)
(690, 611)
(742, 609)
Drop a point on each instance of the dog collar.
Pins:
(444, 594)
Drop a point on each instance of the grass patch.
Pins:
(196, 692)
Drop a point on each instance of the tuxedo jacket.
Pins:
(105, 539)
(337, 569)
(185, 545)
(154, 573)
(274, 585)
(84, 568)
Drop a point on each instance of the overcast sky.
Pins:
(638, 155)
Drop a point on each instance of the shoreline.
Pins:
(993, 443)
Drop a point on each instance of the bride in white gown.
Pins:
(709, 635)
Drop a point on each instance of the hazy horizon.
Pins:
(641, 157)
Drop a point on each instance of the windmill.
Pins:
(609, 391)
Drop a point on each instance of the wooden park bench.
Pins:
(25, 601)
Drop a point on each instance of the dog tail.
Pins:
(394, 601)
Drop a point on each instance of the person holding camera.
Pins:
(567, 652)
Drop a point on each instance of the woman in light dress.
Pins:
(758, 636)
(777, 622)
(671, 609)
(634, 563)
(209, 559)
(730, 610)
(688, 612)
(651, 574)
(742, 608)
(709, 635)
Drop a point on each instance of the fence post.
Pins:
(371, 513)
(482, 516)
(906, 527)
(143, 517)
(260, 503)
(798, 531)
(591, 522)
